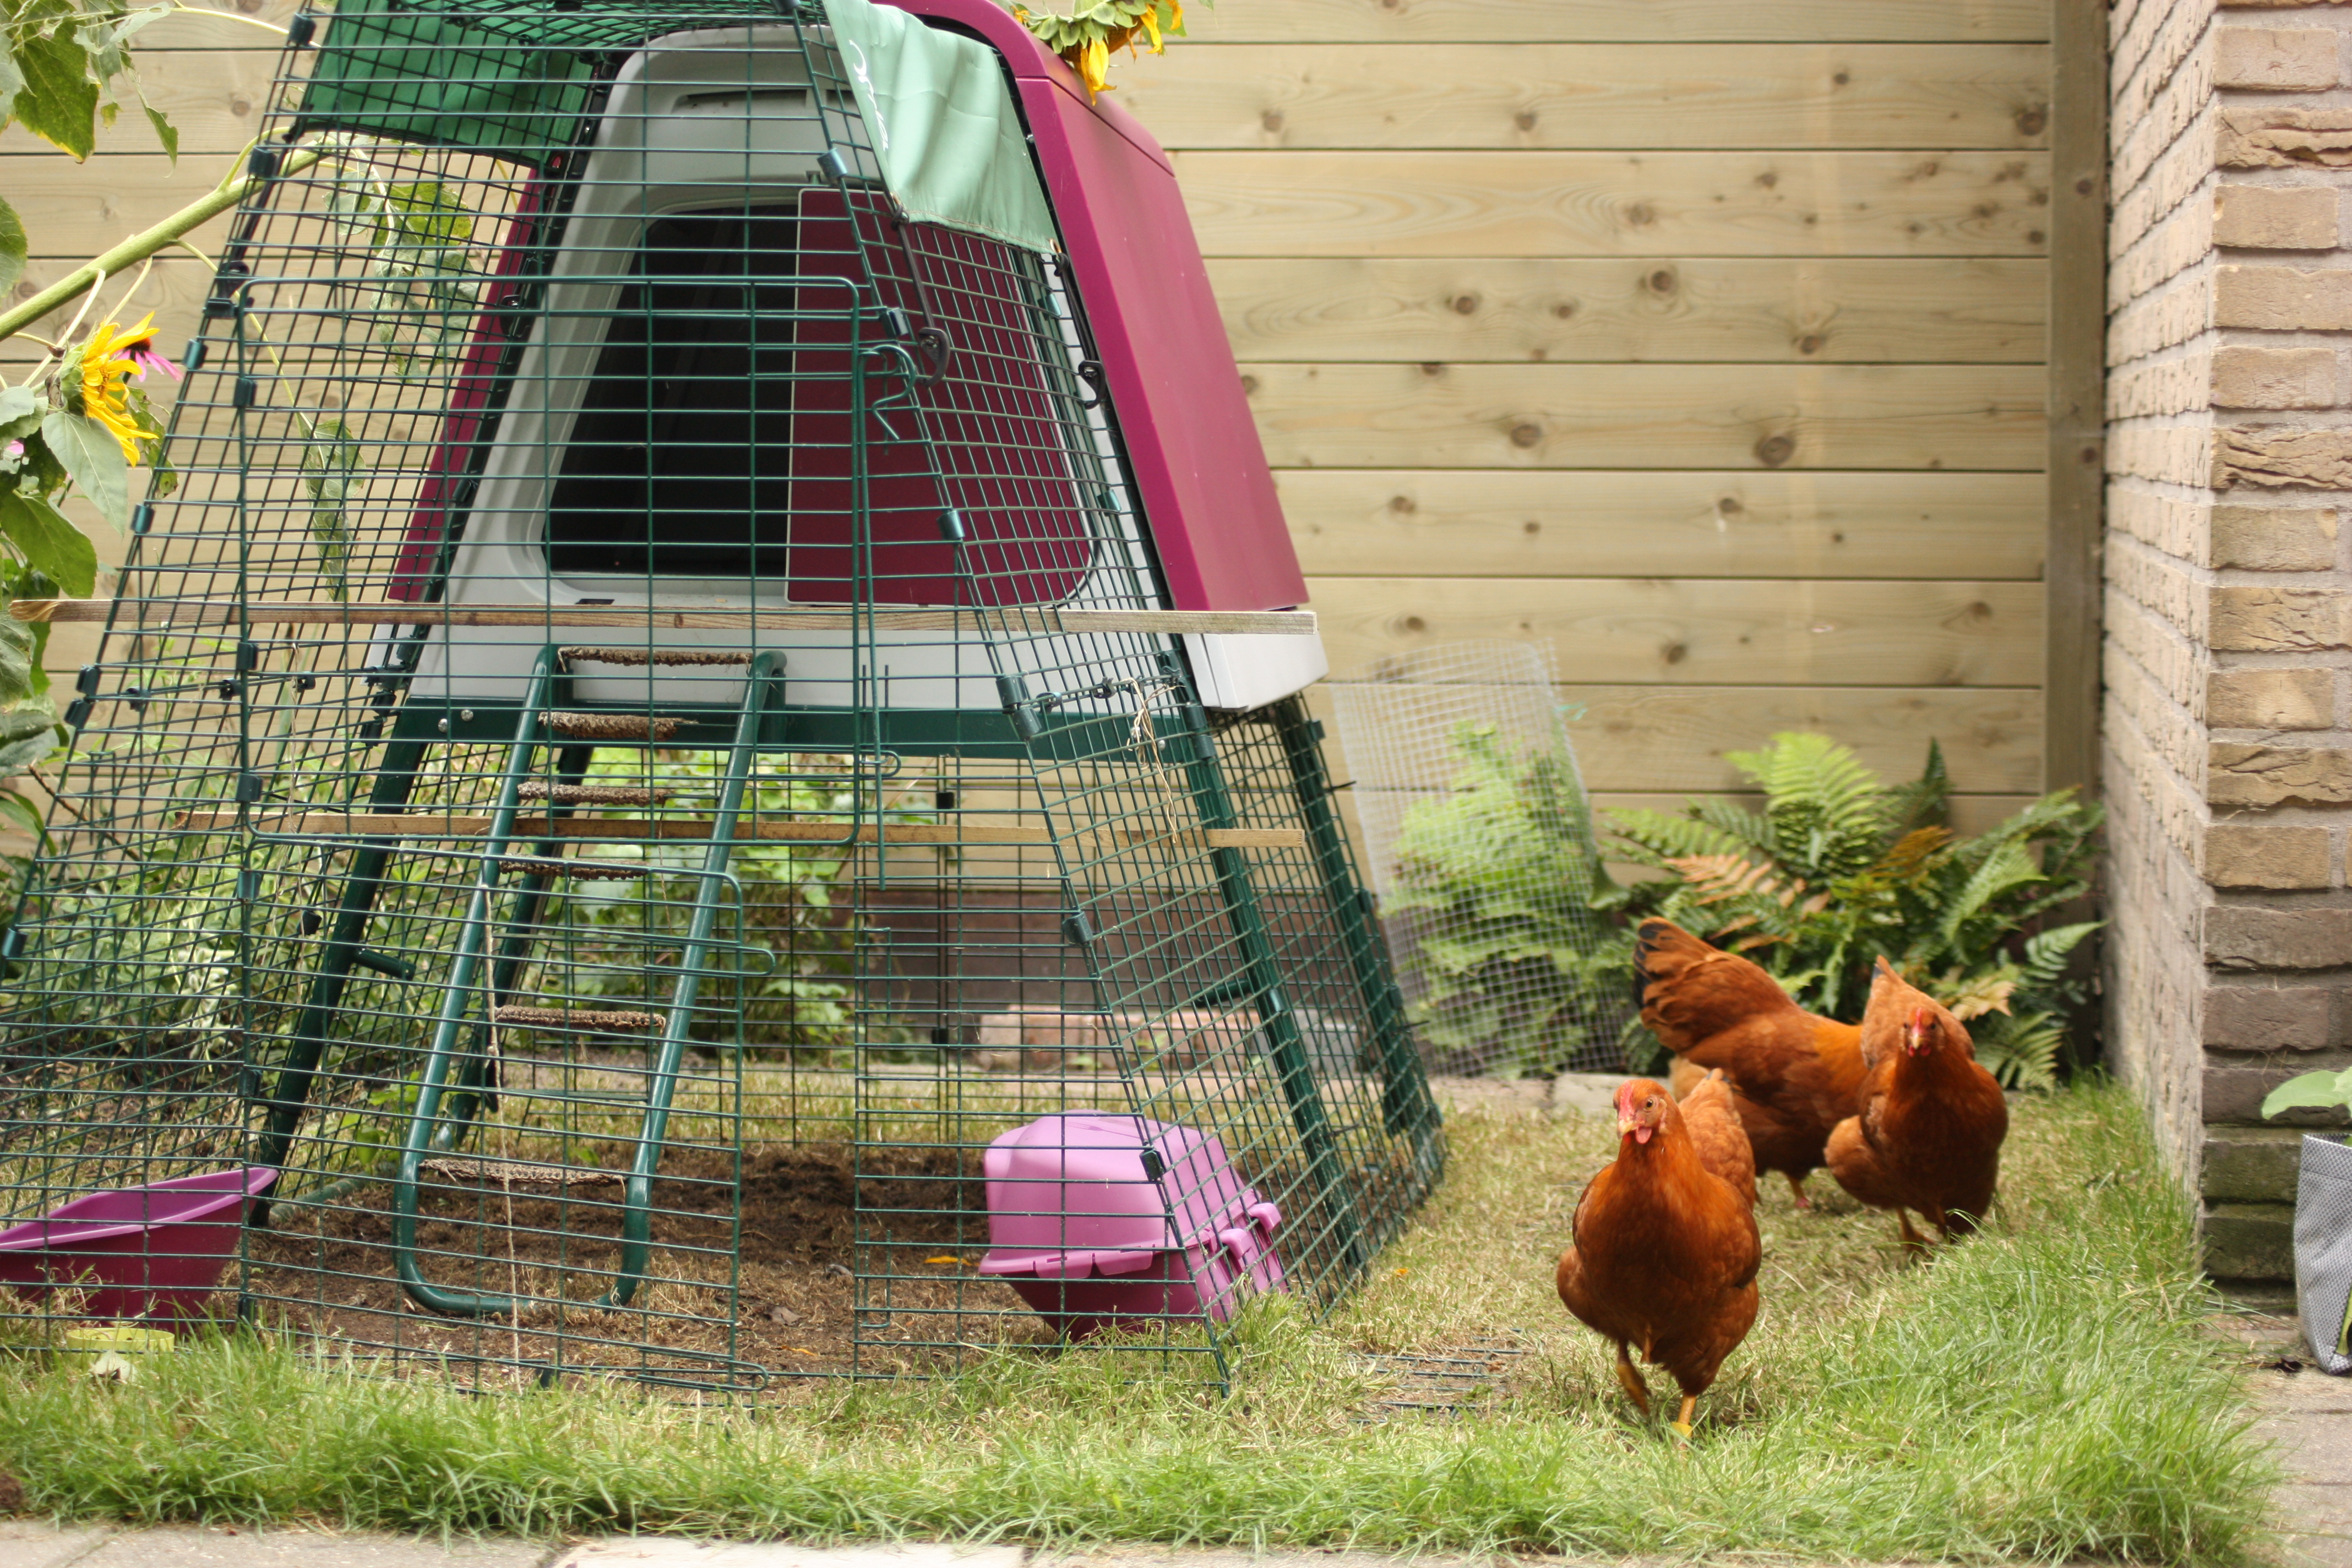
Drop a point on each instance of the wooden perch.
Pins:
(421, 825)
(1038, 621)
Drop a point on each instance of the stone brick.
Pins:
(2275, 59)
(2251, 1165)
(2249, 377)
(2282, 298)
(2279, 458)
(2241, 775)
(2252, 854)
(2273, 539)
(2276, 137)
(2254, 617)
(2240, 936)
(2268, 1018)
(2270, 699)
(2234, 1094)
(2273, 218)
(2249, 1241)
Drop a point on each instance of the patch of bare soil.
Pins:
(329, 1273)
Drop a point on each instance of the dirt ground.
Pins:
(327, 1273)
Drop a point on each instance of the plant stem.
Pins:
(141, 246)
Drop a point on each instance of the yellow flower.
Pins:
(106, 366)
(1094, 66)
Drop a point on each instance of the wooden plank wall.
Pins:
(1704, 341)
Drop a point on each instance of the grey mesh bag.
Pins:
(2323, 1250)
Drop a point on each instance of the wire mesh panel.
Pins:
(1480, 839)
(602, 817)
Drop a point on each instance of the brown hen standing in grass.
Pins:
(1667, 1249)
(1794, 1075)
(1928, 1130)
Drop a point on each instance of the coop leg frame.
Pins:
(1406, 1107)
(1286, 1044)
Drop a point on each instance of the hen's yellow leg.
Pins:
(1631, 1376)
(1797, 1188)
(1681, 1423)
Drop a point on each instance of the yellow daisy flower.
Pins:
(106, 364)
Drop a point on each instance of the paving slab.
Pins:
(2318, 1525)
(2317, 1449)
(25, 1545)
(195, 1548)
(662, 1551)
(1164, 1557)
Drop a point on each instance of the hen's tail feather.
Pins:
(1689, 991)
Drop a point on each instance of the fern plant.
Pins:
(1838, 868)
(1497, 878)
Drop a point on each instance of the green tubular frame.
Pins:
(1287, 1045)
(1405, 1104)
(450, 1028)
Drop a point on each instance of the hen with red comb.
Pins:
(1666, 1250)
(1927, 1135)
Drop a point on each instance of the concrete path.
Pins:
(2307, 1416)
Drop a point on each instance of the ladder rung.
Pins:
(586, 1018)
(592, 794)
(573, 1096)
(639, 656)
(516, 1174)
(581, 870)
(615, 726)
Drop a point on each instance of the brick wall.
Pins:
(2228, 666)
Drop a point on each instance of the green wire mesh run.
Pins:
(587, 781)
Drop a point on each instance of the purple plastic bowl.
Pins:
(1082, 1231)
(156, 1251)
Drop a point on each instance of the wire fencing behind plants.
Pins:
(1479, 835)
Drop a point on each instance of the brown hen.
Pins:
(1716, 1134)
(1666, 1254)
(1794, 1075)
(1928, 1134)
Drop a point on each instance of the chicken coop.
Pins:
(696, 772)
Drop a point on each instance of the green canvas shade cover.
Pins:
(513, 81)
(943, 125)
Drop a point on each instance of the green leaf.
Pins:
(14, 246)
(166, 131)
(2311, 1091)
(50, 544)
(20, 412)
(94, 458)
(27, 735)
(16, 655)
(16, 808)
(58, 102)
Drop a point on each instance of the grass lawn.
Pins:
(2047, 1390)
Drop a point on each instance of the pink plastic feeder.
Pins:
(1079, 1211)
(156, 1251)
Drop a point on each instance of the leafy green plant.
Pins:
(1497, 877)
(788, 907)
(1838, 869)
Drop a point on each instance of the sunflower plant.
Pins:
(1086, 35)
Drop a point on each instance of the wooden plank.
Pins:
(1654, 737)
(1942, 310)
(1651, 416)
(2077, 433)
(423, 825)
(1486, 523)
(1563, 96)
(1705, 633)
(155, 613)
(1615, 21)
(1972, 814)
(1617, 203)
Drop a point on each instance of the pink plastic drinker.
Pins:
(1080, 1207)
